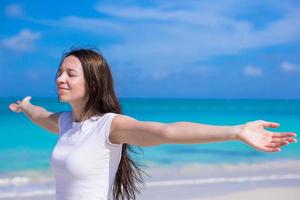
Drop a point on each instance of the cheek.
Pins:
(76, 84)
(80, 88)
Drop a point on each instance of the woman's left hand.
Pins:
(255, 135)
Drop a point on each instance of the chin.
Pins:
(62, 99)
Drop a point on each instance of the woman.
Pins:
(90, 159)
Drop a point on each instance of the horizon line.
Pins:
(169, 98)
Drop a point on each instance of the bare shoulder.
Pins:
(122, 121)
(126, 129)
(121, 124)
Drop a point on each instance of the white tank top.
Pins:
(84, 161)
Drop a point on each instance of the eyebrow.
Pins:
(68, 69)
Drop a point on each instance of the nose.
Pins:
(60, 78)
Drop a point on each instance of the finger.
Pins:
(284, 134)
(13, 107)
(292, 140)
(270, 124)
(270, 149)
(28, 98)
(277, 145)
(278, 140)
(18, 102)
(289, 139)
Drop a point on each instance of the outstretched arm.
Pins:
(251, 133)
(37, 114)
(128, 130)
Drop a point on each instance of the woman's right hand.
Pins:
(19, 105)
(37, 114)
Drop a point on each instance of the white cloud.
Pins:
(289, 67)
(252, 71)
(187, 71)
(171, 34)
(90, 24)
(24, 41)
(14, 10)
(198, 32)
(209, 29)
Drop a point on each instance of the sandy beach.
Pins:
(260, 181)
(289, 190)
(274, 180)
(275, 193)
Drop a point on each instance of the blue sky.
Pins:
(174, 49)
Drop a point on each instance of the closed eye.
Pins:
(71, 75)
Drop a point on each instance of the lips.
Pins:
(62, 88)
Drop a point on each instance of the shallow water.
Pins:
(25, 148)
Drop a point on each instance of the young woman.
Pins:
(90, 159)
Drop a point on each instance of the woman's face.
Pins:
(70, 81)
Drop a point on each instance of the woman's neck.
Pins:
(77, 112)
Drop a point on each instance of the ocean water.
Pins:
(25, 148)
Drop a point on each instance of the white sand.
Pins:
(213, 182)
(275, 193)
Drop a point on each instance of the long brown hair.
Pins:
(102, 99)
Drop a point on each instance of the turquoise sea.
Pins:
(25, 148)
